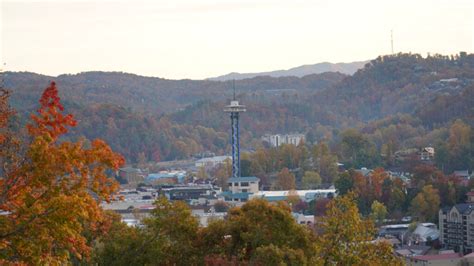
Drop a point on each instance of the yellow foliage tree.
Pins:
(346, 238)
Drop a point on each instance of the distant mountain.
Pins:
(151, 94)
(344, 68)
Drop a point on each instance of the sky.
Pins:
(198, 39)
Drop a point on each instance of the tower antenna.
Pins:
(391, 39)
(233, 87)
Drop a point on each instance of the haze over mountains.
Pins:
(344, 68)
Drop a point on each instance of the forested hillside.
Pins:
(403, 99)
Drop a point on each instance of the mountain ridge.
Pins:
(299, 71)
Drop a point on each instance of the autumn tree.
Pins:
(171, 234)
(310, 180)
(255, 231)
(119, 245)
(396, 204)
(425, 206)
(344, 183)
(378, 212)
(5, 113)
(202, 173)
(285, 180)
(346, 238)
(325, 162)
(274, 255)
(50, 188)
(222, 173)
(221, 206)
(168, 237)
(358, 150)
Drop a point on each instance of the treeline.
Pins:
(394, 144)
(421, 195)
(258, 233)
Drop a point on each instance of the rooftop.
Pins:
(438, 257)
(244, 179)
(301, 193)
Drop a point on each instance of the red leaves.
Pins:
(50, 120)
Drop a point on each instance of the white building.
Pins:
(277, 140)
(304, 195)
(212, 162)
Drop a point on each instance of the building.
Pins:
(437, 259)
(278, 139)
(456, 225)
(364, 171)
(189, 193)
(131, 176)
(303, 219)
(168, 177)
(241, 188)
(427, 154)
(212, 162)
(304, 195)
(464, 174)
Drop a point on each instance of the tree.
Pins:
(257, 224)
(5, 113)
(425, 206)
(320, 206)
(426, 174)
(346, 238)
(274, 255)
(202, 173)
(285, 180)
(171, 233)
(222, 173)
(311, 180)
(397, 200)
(357, 149)
(378, 213)
(325, 162)
(50, 189)
(344, 183)
(221, 206)
(168, 237)
(119, 245)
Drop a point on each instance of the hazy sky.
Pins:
(199, 39)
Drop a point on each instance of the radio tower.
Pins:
(391, 39)
(234, 109)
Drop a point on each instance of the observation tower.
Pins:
(234, 108)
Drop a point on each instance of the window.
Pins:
(244, 190)
(230, 184)
(236, 183)
(454, 216)
(244, 184)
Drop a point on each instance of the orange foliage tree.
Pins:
(50, 189)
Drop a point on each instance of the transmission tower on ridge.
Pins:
(391, 39)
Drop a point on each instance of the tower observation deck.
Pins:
(234, 109)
